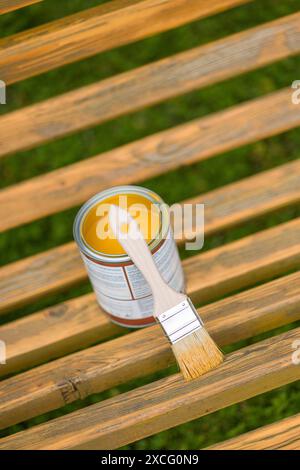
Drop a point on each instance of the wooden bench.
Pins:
(270, 257)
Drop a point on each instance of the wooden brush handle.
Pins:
(135, 246)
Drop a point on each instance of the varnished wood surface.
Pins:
(238, 264)
(31, 278)
(242, 263)
(55, 331)
(248, 198)
(195, 141)
(168, 402)
(150, 84)
(10, 5)
(282, 435)
(140, 353)
(96, 30)
(78, 323)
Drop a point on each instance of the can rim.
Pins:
(131, 189)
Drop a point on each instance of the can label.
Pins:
(122, 290)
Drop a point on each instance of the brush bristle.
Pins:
(197, 354)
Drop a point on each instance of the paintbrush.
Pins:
(195, 351)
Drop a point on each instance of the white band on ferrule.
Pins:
(180, 321)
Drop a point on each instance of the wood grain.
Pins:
(168, 402)
(247, 199)
(238, 264)
(150, 84)
(31, 278)
(242, 263)
(283, 435)
(96, 30)
(157, 154)
(143, 352)
(55, 331)
(11, 5)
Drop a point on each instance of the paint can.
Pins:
(120, 288)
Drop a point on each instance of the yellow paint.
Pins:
(97, 232)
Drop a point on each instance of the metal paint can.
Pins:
(120, 288)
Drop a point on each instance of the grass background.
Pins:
(174, 186)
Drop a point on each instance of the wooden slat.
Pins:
(96, 30)
(167, 402)
(226, 268)
(283, 435)
(182, 145)
(35, 276)
(143, 352)
(151, 84)
(54, 332)
(11, 5)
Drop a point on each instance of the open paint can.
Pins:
(120, 288)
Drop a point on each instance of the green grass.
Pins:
(174, 186)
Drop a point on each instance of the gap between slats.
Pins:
(143, 352)
(150, 84)
(189, 143)
(168, 402)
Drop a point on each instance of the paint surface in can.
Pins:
(95, 224)
(120, 288)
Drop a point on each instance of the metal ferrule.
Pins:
(180, 321)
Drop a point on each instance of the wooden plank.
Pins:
(239, 264)
(96, 30)
(248, 198)
(51, 271)
(182, 145)
(150, 84)
(11, 5)
(283, 435)
(55, 331)
(143, 352)
(168, 402)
